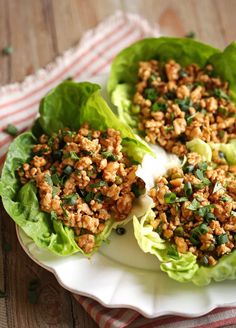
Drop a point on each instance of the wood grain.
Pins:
(39, 30)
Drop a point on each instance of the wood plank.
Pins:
(177, 18)
(4, 42)
(31, 37)
(73, 17)
(54, 303)
(226, 12)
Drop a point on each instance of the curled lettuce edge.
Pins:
(123, 74)
(68, 105)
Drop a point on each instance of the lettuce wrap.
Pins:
(68, 105)
(184, 267)
(124, 70)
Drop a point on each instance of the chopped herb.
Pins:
(70, 199)
(33, 291)
(221, 134)
(73, 155)
(99, 197)
(190, 35)
(89, 197)
(184, 104)
(194, 206)
(57, 155)
(205, 210)
(172, 252)
(201, 176)
(170, 95)
(183, 73)
(109, 155)
(189, 119)
(218, 186)
(223, 111)
(204, 260)
(2, 294)
(48, 179)
(68, 170)
(222, 239)
(220, 94)
(181, 199)
(7, 50)
(169, 128)
(53, 215)
(170, 197)
(11, 129)
(98, 184)
(150, 93)
(188, 189)
(226, 198)
(56, 179)
(159, 107)
(64, 211)
(153, 77)
(179, 231)
(135, 109)
(120, 231)
(203, 166)
(188, 168)
(55, 190)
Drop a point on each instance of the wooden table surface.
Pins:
(39, 30)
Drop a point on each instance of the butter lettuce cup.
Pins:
(173, 90)
(191, 225)
(72, 179)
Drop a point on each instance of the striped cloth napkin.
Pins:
(19, 106)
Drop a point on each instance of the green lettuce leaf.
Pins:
(205, 150)
(123, 75)
(68, 105)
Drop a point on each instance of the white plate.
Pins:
(121, 275)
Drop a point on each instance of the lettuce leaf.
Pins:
(68, 105)
(123, 75)
(205, 150)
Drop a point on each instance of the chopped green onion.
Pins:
(98, 184)
(188, 189)
(179, 231)
(172, 252)
(55, 179)
(109, 155)
(7, 50)
(220, 94)
(159, 107)
(170, 197)
(89, 197)
(11, 129)
(194, 206)
(203, 166)
(222, 239)
(190, 35)
(135, 109)
(48, 179)
(150, 93)
(188, 168)
(218, 186)
(70, 199)
(55, 190)
(68, 170)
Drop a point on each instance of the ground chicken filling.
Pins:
(195, 208)
(84, 179)
(175, 104)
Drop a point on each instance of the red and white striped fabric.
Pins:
(19, 106)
